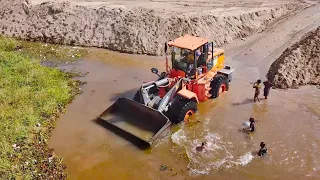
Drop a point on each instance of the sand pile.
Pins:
(133, 30)
(299, 64)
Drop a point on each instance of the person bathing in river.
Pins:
(251, 127)
(202, 147)
(263, 150)
(257, 86)
(267, 87)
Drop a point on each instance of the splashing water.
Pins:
(244, 159)
(216, 154)
(179, 137)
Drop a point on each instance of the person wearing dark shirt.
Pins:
(267, 86)
(251, 128)
(263, 150)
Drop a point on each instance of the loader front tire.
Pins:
(219, 84)
(181, 110)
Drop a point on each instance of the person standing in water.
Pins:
(267, 87)
(263, 150)
(257, 86)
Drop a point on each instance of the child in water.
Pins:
(202, 147)
(251, 127)
(263, 150)
(257, 86)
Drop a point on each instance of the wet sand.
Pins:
(289, 121)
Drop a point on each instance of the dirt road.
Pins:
(288, 122)
(187, 6)
(140, 27)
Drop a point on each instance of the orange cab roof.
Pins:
(188, 42)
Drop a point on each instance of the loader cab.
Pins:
(182, 62)
(192, 56)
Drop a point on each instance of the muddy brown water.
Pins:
(288, 122)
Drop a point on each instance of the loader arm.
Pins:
(165, 100)
(144, 90)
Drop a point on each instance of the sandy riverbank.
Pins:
(139, 26)
(299, 63)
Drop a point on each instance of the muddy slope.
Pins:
(299, 63)
(132, 30)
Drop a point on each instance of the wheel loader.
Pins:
(195, 74)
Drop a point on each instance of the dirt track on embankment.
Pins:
(141, 26)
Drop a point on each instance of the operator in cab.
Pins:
(191, 61)
(190, 55)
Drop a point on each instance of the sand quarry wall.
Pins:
(299, 63)
(136, 30)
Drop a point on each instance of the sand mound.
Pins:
(299, 63)
(133, 30)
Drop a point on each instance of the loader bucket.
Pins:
(137, 119)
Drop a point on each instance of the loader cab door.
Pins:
(215, 59)
(204, 62)
(204, 53)
(210, 64)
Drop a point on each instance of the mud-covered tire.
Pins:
(137, 97)
(219, 82)
(180, 108)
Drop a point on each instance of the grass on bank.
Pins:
(31, 98)
(42, 51)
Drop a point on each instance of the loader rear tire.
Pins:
(219, 84)
(181, 110)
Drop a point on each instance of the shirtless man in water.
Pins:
(257, 86)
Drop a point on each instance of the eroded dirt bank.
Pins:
(299, 64)
(139, 26)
